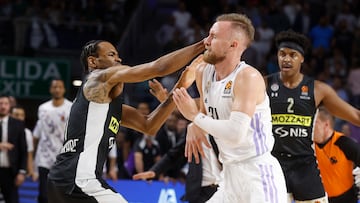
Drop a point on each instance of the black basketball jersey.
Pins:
(293, 113)
(89, 136)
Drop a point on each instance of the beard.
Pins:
(211, 58)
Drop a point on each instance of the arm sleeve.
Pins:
(350, 148)
(230, 130)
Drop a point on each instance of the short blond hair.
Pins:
(239, 21)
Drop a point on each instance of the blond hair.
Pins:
(239, 22)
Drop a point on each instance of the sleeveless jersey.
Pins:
(293, 116)
(335, 168)
(89, 136)
(218, 98)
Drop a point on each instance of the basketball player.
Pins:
(97, 113)
(234, 109)
(294, 98)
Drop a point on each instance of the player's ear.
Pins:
(91, 61)
(234, 44)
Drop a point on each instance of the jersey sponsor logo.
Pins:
(111, 142)
(291, 119)
(114, 125)
(69, 146)
(167, 196)
(292, 132)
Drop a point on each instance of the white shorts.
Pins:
(93, 187)
(252, 181)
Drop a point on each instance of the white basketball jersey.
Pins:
(218, 98)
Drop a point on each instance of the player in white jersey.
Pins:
(49, 132)
(235, 110)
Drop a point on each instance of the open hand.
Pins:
(157, 90)
(195, 138)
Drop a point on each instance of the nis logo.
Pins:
(292, 132)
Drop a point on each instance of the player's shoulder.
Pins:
(248, 71)
(321, 86)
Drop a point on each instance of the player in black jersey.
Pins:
(294, 100)
(97, 113)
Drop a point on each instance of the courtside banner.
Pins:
(149, 191)
(132, 191)
(30, 78)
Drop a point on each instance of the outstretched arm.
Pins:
(162, 66)
(327, 96)
(150, 124)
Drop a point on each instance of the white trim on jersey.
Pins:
(96, 117)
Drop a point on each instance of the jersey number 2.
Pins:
(291, 105)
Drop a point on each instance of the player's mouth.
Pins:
(286, 66)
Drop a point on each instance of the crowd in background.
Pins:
(332, 26)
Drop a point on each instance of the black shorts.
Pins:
(302, 177)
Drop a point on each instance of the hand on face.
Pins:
(188, 75)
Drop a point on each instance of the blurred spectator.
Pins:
(166, 136)
(193, 33)
(276, 19)
(13, 153)
(343, 38)
(49, 133)
(166, 31)
(322, 34)
(18, 112)
(337, 63)
(263, 42)
(338, 86)
(182, 16)
(126, 141)
(353, 83)
(302, 20)
(147, 153)
(291, 9)
(176, 42)
(346, 16)
(121, 157)
(356, 44)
